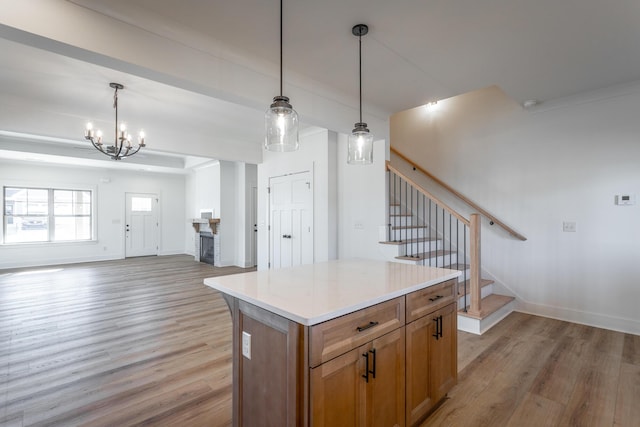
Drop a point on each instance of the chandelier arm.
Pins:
(99, 147)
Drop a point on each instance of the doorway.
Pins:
(290, 220)
(141, 225)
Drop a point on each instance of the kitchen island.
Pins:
(341, 343)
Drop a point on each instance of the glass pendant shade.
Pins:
(281, 126)
(360, 146)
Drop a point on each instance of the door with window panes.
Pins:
(141, 227)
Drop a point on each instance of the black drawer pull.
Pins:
(436, 298)
(365, 327)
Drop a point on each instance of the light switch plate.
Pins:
(569, 226)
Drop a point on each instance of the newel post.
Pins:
(475, 265)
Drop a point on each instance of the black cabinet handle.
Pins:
(438, 333)
(436, 298)
(365, 327)
(373, 351)
(366, 369)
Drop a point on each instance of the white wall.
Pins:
(316, 154)
(563, 161)
(110, 217)
(362, 202)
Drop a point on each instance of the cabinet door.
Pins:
(443, 353)
(432, 357)
(338, 391)
(419, 398)
(386, 387)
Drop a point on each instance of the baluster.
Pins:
(424, 220)
(437, 233)
(400, 206)
(444, 242)
(465, 269)
(430, 227)
(389, 201)
(450, 242)
(395, 200)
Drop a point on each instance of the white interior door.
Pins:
(291, 220)
(141, 228)
(254, 226)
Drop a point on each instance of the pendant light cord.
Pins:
(281, 71)
(360, 71)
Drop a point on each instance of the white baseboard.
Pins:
(620, 324)
(58, 261)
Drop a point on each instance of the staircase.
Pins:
(424, 230)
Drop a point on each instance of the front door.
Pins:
(141, 228)
(291, 220)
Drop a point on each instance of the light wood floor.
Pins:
(144, 342)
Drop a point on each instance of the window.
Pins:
(47, 215)
(141, 204)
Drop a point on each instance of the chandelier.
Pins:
(123, 146)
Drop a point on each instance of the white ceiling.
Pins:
(416, 51)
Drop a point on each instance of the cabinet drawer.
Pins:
(337, 336)
(424, 301)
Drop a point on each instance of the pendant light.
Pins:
(360, 146)
(281, 120)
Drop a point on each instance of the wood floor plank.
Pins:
(631, 351)
(559, 375)
(628, 397)
(536, 411)
(593, 400)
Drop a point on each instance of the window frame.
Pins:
(51, 217)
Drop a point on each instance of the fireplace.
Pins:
(207, 240)
(207, 247)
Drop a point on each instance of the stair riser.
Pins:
(419, 247)
(479, 327)
(409, 233)
(402, 220)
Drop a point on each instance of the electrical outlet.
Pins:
(246, 344)
(569, 227)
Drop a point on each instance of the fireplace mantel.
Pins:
(212, 222)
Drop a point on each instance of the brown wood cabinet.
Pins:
(386, 365)
(364, 387)
(431, 360)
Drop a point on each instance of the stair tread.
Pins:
(401, 214)
(483, 283)
(418, 240)
(490, 304)
(425, 255)
(405, 227)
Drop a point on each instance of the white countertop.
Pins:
(314, 293)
